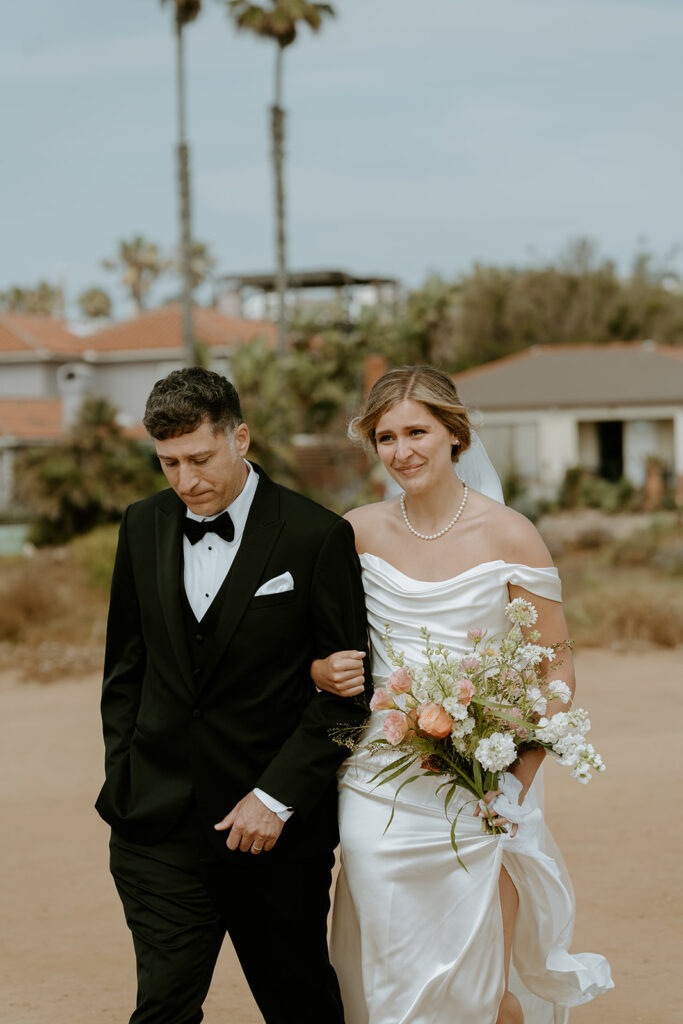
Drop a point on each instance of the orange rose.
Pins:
(435, 721)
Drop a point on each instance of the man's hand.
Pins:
(252, 826)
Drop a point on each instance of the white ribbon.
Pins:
(507, 805)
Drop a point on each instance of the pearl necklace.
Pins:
(432, 536)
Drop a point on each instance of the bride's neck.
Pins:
(431, 507)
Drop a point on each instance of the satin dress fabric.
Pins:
(416, 939)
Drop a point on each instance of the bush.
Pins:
(94, 553)
(87, 480)
(583, 489)
(27, 597)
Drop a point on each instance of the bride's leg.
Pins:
(509, 1011)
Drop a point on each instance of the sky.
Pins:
(422, 137)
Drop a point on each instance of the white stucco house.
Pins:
(608, 408)
(47, 370)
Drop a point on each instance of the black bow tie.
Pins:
(222, 525)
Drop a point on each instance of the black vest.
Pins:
(200, 635)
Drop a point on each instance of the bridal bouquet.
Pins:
(469, 718)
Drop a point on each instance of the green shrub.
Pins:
(94, 552)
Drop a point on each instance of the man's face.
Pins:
(205, 469)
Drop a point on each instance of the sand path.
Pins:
(66, 954)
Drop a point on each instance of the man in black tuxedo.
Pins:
(225, 588)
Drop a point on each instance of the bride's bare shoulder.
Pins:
(516, 536)
(369, 522)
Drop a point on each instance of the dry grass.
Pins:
(53, 605)
(620, 606)
(51, 619)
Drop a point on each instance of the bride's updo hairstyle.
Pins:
(433, 388)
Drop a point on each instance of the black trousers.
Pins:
(179, 900)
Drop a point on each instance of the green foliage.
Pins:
(140, 264)
(582, 489)
(185, 10)
(94, 303)
(280, 20)
(85, 481)
(94, 552)
(44, 299)
(313, 388)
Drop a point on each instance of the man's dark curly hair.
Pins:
(182, 401)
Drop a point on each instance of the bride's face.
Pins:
(414, 445)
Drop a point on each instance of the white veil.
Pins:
(474, 468)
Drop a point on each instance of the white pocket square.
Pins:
(278, 585)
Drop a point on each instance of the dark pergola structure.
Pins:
(304, 280)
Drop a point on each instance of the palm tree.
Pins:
(202, 263)
(44, 299)
(185, 12)
(94, 303)
(278, 22)
(141, 265)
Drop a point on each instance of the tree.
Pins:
(279, 22)
(185, 11)
(87, 480)
(141, 264)
(44, 299)
(202, 263)
(94, 303)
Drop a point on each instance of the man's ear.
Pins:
(242, 439)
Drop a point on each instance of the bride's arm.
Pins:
(552, 626)
(340, 673)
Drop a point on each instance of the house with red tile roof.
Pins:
(47, 370)
(607, 408)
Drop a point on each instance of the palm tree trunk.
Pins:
(278, 135)
(184, 194)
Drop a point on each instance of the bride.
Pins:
(416, 939)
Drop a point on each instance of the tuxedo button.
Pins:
(197, 713)
(196, 672)
(199, 637)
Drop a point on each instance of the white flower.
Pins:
(558, 688)
(550, 730)
(534, 654)
(455, 709)
(496, 752)
(578, 719)
(570, 749)
(536, 699)
(463, 728)
(521, 612)
(578, 755)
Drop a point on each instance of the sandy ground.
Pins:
(66, 954)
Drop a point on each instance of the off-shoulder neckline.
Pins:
(465, 572)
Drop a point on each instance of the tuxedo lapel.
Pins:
(169, 539)
(262, 529)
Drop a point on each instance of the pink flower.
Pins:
(476, 633)
(400, 681)
(435, 721)
(470, 664)
(466, 691)
(381, 700)
(395, 726)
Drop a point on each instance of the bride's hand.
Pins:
(341, 673)
(491, 817)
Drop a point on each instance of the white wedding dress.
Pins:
(415, 938)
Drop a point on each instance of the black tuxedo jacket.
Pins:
(254, 717)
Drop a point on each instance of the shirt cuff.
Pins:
(282, 810)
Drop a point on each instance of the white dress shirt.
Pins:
(207, 563)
